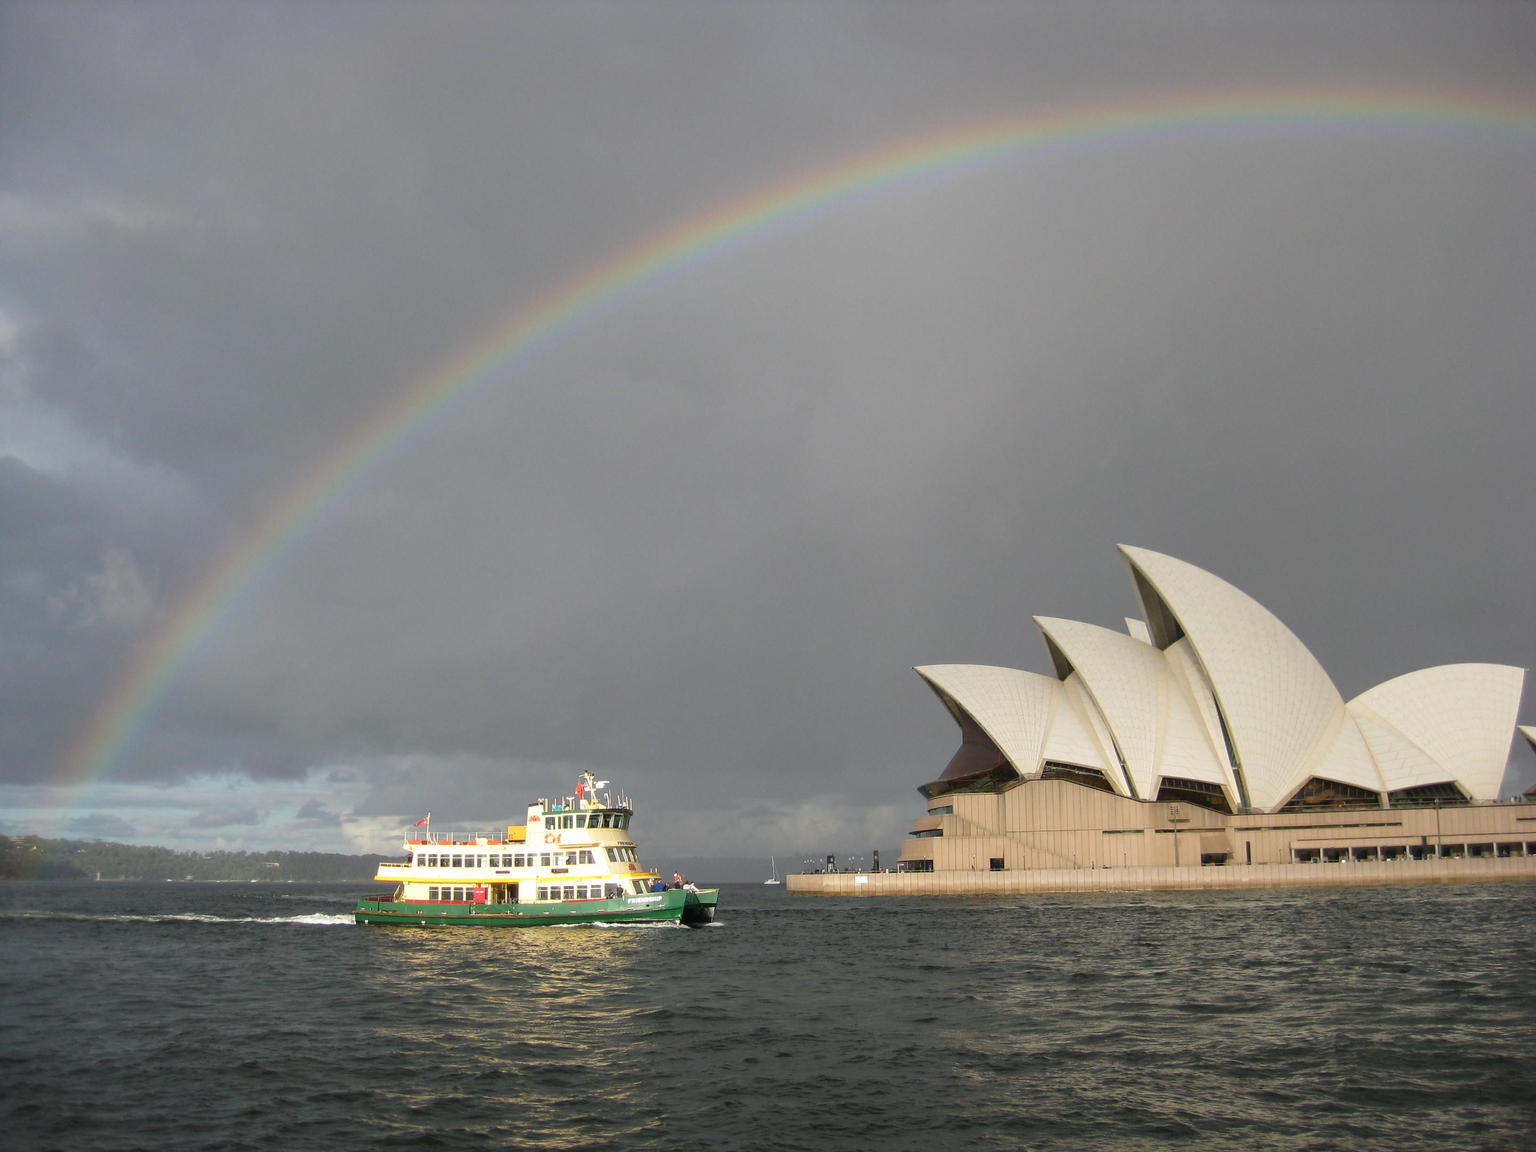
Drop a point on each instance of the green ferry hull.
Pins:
(674, 906)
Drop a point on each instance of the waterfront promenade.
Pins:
(1317, 875)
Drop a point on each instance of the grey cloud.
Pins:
(224, 817)
(699, 541)
(100, 826)
(313, 812)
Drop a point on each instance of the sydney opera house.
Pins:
(1206, 742)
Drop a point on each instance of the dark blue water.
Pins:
(185, 1016)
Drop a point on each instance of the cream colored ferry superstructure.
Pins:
(575, 847)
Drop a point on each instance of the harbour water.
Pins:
(183, 1016)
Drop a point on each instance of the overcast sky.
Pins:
(698, 543)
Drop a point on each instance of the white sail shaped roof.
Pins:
(1460, 716)
(1079, 735)
(1012, 707)
(1354, 758)
(1127, 680)
(1282, 712)
(1211, 687)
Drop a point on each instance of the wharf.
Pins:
(1311, 875)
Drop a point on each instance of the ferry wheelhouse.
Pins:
(571, 861)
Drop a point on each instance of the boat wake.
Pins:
(312, 918)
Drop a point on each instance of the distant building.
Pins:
(1207, 734)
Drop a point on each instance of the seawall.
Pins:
(1457, 871)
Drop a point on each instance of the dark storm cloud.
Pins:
(224, 817)
(703, 539)
(315, 813)
(100, 826)
(70, 602)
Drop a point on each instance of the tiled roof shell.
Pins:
(1214, 688)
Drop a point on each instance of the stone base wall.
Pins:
(1151, 879)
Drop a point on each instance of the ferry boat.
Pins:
(571, 861)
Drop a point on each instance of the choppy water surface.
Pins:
(259, 1017)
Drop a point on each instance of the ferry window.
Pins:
(565, 821)
(570, 892)
(457, 861)
(639, 885)
(587, 857)
(543, 859)
(613, 854)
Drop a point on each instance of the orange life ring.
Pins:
(551, 838)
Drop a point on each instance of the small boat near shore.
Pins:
(571, 861)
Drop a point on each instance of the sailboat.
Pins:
(773, 871)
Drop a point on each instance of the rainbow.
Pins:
(815, 193)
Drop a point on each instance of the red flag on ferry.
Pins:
(427, 819)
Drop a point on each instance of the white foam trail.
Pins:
(311, 918)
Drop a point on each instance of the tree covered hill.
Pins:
(34, 858)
